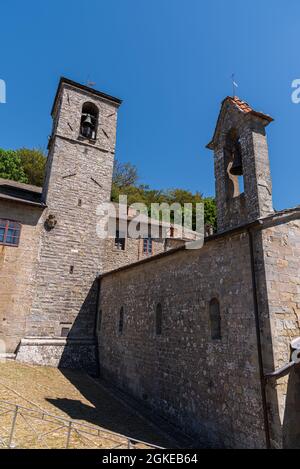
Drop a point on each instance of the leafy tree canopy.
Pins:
(34, 164)
(11, 166)
(125, 182)
(28, 166)
(23, 165)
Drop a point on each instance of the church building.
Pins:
(207, 338)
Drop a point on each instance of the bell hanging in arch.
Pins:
(87, 126)
(237, 164)
(87, 122)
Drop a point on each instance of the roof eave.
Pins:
(88, 89)
(22, 201)
(265, 117)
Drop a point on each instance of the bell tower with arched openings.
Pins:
(60, 327)
(242, 170)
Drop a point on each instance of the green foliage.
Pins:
(125, 183)
(28, 166)
(23, 165)
(34, 164)
(210, 211)
(11, 166)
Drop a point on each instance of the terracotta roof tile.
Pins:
(243, 107)
(241, 104)
(246, 108)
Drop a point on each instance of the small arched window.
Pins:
(158, 319)
(99, 320)
(215, 319)
(89, 121)
(121, 321)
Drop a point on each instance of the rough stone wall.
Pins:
(256, 201)
(115, 258)
(71, 255)
(209, 388)
(281, 245)
(17, 269)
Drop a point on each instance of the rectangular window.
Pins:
(120, 241)
(65, 331)
(147, 246)
(9, 232)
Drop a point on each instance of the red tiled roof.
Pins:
(242, 105)
(245, 108)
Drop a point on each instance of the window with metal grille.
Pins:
(120, 241)
(9, 232)
(147, 246)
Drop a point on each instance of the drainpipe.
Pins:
(258, 338)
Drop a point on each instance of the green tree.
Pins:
(210, 211)
(125, 183)
(34, 163)
(11, 166)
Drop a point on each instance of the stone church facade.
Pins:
(209, 336)
(49, 293)
(200, 336)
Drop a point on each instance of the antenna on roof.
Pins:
(234, 85)
(90, 83)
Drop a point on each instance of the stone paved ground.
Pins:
(74, 395)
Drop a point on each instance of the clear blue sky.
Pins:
(170, 61)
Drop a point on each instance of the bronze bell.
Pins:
(87, 126)
(87, 121)
(237, 164)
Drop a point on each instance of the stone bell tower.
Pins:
(242, 170)
(60, 328)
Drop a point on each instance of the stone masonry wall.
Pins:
(209, 388)
(282, 266)
(71, 255)
(256, 201)
(17, 270)
(115, 258)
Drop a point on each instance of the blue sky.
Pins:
(170, 61)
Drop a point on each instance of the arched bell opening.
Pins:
(89, 121)
(233, 164)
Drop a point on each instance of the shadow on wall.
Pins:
(104, 410)
(80, 351)
(291, 420)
